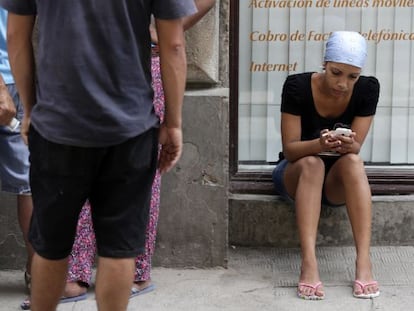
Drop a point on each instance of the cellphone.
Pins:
(341, 131)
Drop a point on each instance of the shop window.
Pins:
(271, 39)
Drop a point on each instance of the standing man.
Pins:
(14, 155)
(92, 130)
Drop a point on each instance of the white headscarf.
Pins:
(346, 47)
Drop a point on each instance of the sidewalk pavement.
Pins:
(259, 279)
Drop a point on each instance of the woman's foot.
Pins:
(360, 289)
(364, 285)
(73, 289)
(141, 287)
(314, 291)
(310, 286)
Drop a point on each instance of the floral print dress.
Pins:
(82, 257)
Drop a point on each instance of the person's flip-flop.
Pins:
(136, 292)
(362, 286)
(74, 298)
(312, 286)
(26, 304)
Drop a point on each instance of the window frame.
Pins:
(383, 180)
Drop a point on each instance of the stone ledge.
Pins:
(268, 220)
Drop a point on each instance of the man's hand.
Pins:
(171, 140)
(24, 129)
(7, 108)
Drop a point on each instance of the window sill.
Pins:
(383, 181)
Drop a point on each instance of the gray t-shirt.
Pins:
(93, 67)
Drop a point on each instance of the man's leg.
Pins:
(59, 190)
(120, 200)
(46, 272)
(113, 283)
(24, 214)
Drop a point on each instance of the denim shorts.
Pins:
(277, 177)
(14, 155)
(279, 184)
(117, 181)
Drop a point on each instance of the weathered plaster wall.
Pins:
(194, 196)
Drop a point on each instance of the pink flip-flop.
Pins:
(312, 286)
(362, 286)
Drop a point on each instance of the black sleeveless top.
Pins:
(297, 100)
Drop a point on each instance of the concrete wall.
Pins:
(194, 200)
(194, 196)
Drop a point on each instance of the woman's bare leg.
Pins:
(303, 181)
(347, 182)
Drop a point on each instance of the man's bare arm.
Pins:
(173, 63)
(173, 67)
(21, 56)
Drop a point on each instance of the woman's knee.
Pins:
(351, 161)
(311, 163)
(349, 169)
(311, 166)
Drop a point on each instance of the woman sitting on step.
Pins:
(321, 165)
